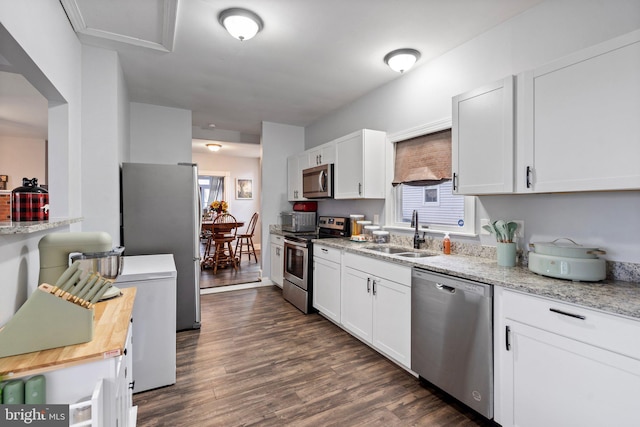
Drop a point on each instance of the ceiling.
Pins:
(311, 58)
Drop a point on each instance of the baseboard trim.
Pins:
(262, 283)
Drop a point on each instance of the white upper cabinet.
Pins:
(323, 154)
(295, 164)
(579, 120)
(360, 165)
(482, 139)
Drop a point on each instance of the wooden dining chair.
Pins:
(224, 233)
(246, 238)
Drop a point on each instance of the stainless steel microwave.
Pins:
(317, 182)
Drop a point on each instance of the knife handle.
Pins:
(84, 290)
(68, 273)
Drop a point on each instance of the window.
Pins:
(422, 181)
(431, 196)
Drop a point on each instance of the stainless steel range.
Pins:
(297, 286)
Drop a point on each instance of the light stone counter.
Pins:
(611, 296)
(26, 227)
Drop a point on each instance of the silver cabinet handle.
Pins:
(565, 313)
(360, 189)
(374, 286)
(507, 338)
(368, 284)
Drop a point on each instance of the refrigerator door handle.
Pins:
(196, 251)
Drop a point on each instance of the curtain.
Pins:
(424, 160)
(216, 191)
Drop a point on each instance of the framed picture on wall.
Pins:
(3, 182)
(244, 188)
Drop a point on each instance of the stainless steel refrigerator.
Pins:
(161, 214)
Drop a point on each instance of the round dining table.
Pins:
(217, 229)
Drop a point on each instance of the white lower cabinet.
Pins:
(563, 365)
(376, 305)
(277, 258)
(326, 281)
(99, 393)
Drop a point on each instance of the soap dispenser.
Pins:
(446, 244)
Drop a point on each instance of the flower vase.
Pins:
(506, 254)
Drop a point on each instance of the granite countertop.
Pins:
(27, 227)
(610, 296)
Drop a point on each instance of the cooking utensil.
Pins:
(101, 292)
(69, 284)
(576, 269)
(83, 283)
(87, 288)
(568, 249)
(94, 290)
(66, 275)
(107, 264)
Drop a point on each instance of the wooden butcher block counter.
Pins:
(111, 324)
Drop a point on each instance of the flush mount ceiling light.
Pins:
(401, 60)
(214, 147)
(240, 23)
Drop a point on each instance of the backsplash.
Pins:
(625, 271)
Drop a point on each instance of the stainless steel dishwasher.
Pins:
(451, 337)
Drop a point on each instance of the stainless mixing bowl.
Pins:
(107, 264)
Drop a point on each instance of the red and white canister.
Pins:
(30, 202)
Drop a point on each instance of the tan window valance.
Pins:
(424, 160)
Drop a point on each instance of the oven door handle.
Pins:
(296, 244)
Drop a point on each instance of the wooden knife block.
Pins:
(45, 321)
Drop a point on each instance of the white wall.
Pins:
(159, 134)
(47, 53)
(546, 32)
(278, 142)
(238, 167)
(22, 158)
(103, 129)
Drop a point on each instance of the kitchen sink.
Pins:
(401, 252)
(414, 255)
(387, 249)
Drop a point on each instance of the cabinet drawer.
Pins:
(375, 267)
(328, 253)
(606, 331)
(277, 239)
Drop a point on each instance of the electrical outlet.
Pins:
(483, 222)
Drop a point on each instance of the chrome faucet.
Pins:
(416, 237)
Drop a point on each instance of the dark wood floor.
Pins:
(258, 361)
(249, 271)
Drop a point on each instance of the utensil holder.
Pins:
(46, 321)
(506, 253)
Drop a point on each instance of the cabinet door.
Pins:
(392, 320)
(357, 311)
(326, 288)
(295, 165)
(482, 139)
(557, 381)
(578, 121)
(293, 180)
(323, 154)
(277, 263)
(359, 170)
(349, 170)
